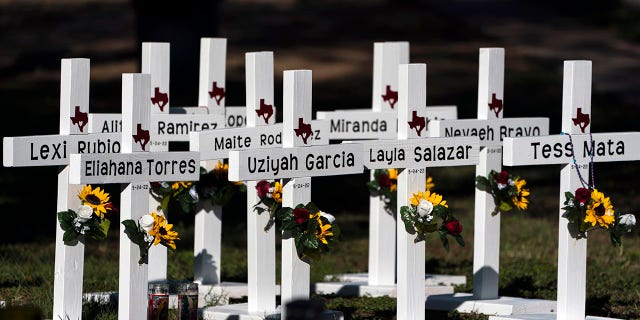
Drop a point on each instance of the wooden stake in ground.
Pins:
(559, 149)
(135, 167)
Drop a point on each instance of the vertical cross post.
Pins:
(387, 56)
(69, 257)
(412, 99)
(486, 253)
(572, 253)
(261, 246)
(297, 95)
(207, 240)
(134, 203)
(156, 62)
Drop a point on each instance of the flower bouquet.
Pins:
(508, 191)
(385, 186)
(90, 219)
(180, 193)
(215, 185)
(270, 194)
(151, 229)
(314, 232)
(589, 209)
(429, 213)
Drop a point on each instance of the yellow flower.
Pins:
(430, 185)
(221, 169)
(324, 230)
(520, 200)
(161, 231)
(276, 194)
(432, 197)
(96, 198)
(183, 184)
(600, 211)
(393, 179)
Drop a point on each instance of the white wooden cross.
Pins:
(134, 167)
(53, 150)
(556, 149)
(299, 161)
(259, 133)
(380, 124)
(413, 154)
(491, 128)
(174, 124)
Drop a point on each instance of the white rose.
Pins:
(146, 222)
(329, 216)
(628, 220)
(425, 208)
(84, 213)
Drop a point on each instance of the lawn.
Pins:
(527, 266)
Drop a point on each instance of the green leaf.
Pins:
(311, 241)
(483, 184)
(312, 207)
(504, 207)
(69, 236)
(444, 240)
(460, 240)
(104, 227)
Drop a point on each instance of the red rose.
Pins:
(263, 188)
(454, 227)
(583, 195)
(301, 215)
(502, 177)
(155, 184)
(384, 181)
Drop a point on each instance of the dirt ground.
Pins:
(335, 40)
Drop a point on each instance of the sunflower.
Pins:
(97, 199)
(161, 231)
(393, 178)
(600, 210)
(432, 197)
(429, 184)
(520, 199)
(183, 184)
(324, 230)
(276, 194)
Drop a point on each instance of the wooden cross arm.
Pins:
(54, 150)
(490, 132)
(280, 163)
(134, 167)
(556, 149)
(421, 153)
(216, 144)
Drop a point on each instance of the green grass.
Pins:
(527, 266)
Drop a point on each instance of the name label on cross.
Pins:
(297, 162)
(557, 149)
(134, 167)
(416, 153)
(176, 127)
(217, 144)
(490, 132)
(51, 150)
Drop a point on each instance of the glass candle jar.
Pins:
(188, 302)
(158, 300)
